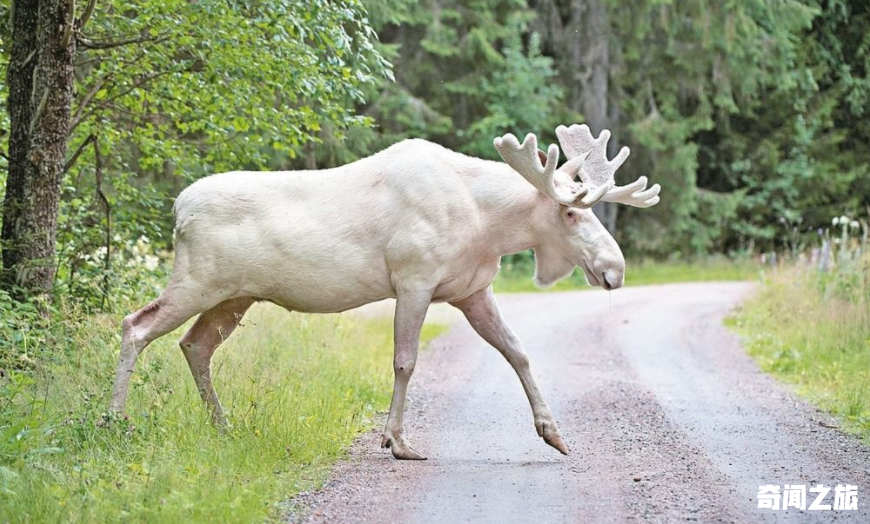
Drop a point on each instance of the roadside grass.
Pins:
(517, 277)
(297, 388)
(813, 331)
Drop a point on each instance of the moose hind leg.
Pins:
(141, 328)
(202, 340)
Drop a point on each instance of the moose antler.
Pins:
(526, 160)
(577, 142)
(587, 157)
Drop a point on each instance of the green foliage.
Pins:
(465, 73)
(795, 152)
(196, 88)
(23, 329)
(224, 85)
(103, 266)
(519, 96)
(297, 388)
(752, 115)
(692, 69)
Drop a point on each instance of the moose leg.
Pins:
(151, 322)
(482, 313)
(200, 342)
(410, 313)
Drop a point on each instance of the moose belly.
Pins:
(342, 292)
(327, 289)
(325, 303)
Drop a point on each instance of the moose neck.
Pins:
(514, 212)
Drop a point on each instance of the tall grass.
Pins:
(297, 389)
(811, 328)
(516, 277)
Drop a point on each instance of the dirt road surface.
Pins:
(666, 417)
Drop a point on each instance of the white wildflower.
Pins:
(141, 246)
(835, 221)
(854, 224)
(151, 262)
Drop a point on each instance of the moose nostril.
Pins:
(611, 279)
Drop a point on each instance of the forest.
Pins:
(752, 115)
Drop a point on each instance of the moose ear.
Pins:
(543, 157)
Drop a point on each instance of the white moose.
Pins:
(416, 222)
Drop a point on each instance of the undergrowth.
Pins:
(297, 389)
(811, 328)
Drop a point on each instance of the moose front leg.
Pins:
(410, 312)
(482, 313)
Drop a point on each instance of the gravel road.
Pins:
(666, 417)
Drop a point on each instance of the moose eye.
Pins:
(570, 214)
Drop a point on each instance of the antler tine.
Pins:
(635, 194)
(524, 159)
(598, 172)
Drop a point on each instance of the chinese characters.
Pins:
(781, 498)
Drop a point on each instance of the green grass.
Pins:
(517, 278)
(298, 389)
(814, 333)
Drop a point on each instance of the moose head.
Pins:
(577, 238)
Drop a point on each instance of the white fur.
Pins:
(414, 215)
(416, 222)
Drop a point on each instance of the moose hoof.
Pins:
(546, 429)
(557, 442)
(400, 449)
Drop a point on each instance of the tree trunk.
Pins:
(594, 63)
(594, 76)
(19, 78)
(41, 91)
(610, 211)
(577, 34)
